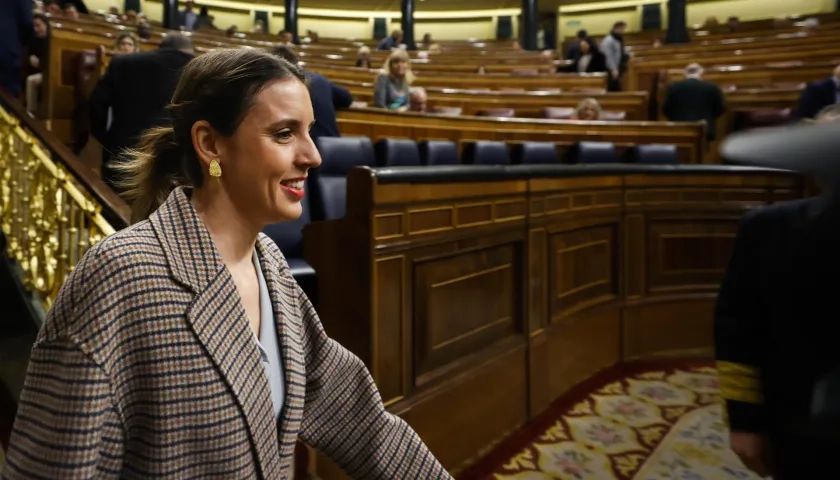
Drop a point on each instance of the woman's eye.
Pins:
(283, 135)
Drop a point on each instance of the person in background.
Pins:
(481, 70)
(286, 38)
(589, 60)
(16, 30)
(427, 39)
(114, 10)
(52, 7)
(712, 24)
(733, 25)
(516, 46)
(435, 48)
(588, 109)
(417, 99)
(657, 42)
(394, 82)
(818, 95)
(136, 104)
(259, 26)
(70, 11)
(187, 18)
(694, 99)
(574, 49)
(391, 42)
(363, 59)
(205, 20)
(126, 43)
(130, 18)
(144, 30)
(612, 46)
(775, 319)
(231, 31)
(326, 97)
(547, 61)
(37, 53)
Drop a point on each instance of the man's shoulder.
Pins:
(781, 214)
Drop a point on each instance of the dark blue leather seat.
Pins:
(338, 156)
(486, 152)
(289, 237)
(438, 152)
(396, 152)
(592, 152)
(534, 152)
(654, 155)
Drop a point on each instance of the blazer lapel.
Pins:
(289, 325)
(220, 322)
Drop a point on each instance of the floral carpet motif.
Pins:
(657, 424)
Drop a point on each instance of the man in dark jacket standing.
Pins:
(776, 325)
(136, 103)
(818, 95)
(15, 31)
(694, 99)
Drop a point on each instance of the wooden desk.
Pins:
(478, 295)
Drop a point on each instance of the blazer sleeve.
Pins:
(99, 102)
(740, 332)
(808, 105)
(341, 97)
(345, 419)
(66, 424)
(718, 103)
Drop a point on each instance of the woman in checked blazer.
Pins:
(181, 347)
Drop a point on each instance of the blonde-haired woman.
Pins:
(363, 59)
(587, 109)
(394, 82)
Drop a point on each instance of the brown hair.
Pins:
(218, 87)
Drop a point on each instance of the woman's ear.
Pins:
(205, 141)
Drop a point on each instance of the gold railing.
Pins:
(48, 219)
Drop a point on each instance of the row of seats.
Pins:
(326, 186)
(394, 152)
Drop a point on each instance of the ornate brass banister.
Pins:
(48, 216)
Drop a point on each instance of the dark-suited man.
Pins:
(326, 97)
(15, 31)
(136, 88)
(776, 325)
(818, 95)
(693, 99)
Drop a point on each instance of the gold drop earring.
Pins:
(215, 169)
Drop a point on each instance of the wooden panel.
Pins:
(474, 411)
(670, 328)
(688, 254)
(388, 328)
(462, 304)
(582, 269)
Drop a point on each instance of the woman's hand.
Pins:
(752, 449)
(33, 61)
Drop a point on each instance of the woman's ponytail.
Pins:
(151, 171)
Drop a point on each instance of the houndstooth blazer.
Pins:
(146, 368)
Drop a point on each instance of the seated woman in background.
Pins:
(363, 60)
(587, 60)
(481, 70)
(37, 51)
(126, 43)
(394, 82)
(587, 109)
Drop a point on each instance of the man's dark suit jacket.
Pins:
(692, 100)
(326, 98)
(596, 64)
(815, 97)
(15, 31)
(777, 326)
(137, 88)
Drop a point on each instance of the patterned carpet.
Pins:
(640, 422)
